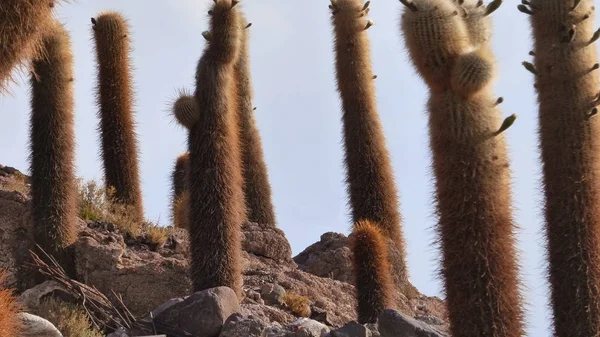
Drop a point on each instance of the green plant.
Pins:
(370, 181)
(257, 189)
(52, 134)
(567, 83)
(216, 200)
(115, 100)
(298, 304)
(22, 23)
(470, 163)
(372, 271)
(70, 319)
(9, 308)
(95, 203)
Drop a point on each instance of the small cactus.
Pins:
(373, 282)
(185, 110)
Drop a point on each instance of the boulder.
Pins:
(266, 241)
(330, 257)
(201, 314)
(393, 323)
(35, 326)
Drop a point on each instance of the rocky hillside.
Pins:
(279, 289)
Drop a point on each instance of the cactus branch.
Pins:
(492, 7)
(508, 122)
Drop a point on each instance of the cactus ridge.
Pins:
(216, 201)
(52, 156)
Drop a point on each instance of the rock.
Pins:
(238, 325)
(31, 298)
(272, 294)
(320, 315)
(266, 241)
(306, 327)
(395, 324)
(330, 257)
(254, 296)
(203, 313)
(35, 326)
(166, 306)
(432, 320)
(351, 329)
(120, 332)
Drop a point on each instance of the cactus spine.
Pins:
(115, 100)
(449, 44)
(53, 188)
(217, 207)
(565, 60)
(22, 22)
(370, 180)
(179, 191)
(257, 189)
(372, 271)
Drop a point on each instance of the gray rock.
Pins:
(31, 298)
(352, 329)
(166, 306)
(272, 294)
(306, 327)
(393, 323)
(238, 325)
(430, 319)
(119, 333)
(266, 241)
(35, 326)
(201, 314)
(330, 257)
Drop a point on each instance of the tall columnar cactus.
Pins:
(179, 191)
(257, 189)
(449, 44)
(374, 284)
(53, 187)
(217, 207)
(21, 22)
(369, 175)
(566, 77)
(115, 100)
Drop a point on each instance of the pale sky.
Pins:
(298, 114)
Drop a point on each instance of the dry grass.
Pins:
(70, 319)
(298, 304)
(156, 235)
(95, 205)
(9, 326)
(15, 182)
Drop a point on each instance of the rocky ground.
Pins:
(308, 295)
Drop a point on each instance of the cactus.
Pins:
(470, 163)
(115, 100)
(216, 200)
(372, 271)
(565, 58)
(9, 308)
(257, 190)
(185, 109)
(179, 192)
(21, 22)
(370, 181)
(53, 185)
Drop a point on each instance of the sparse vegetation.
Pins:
(70, 319)
(9, 326)
(298, 304)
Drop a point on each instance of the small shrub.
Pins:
(95, 205)
(298, 304)
(9, 308)
(156, 235)
(70, 319)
